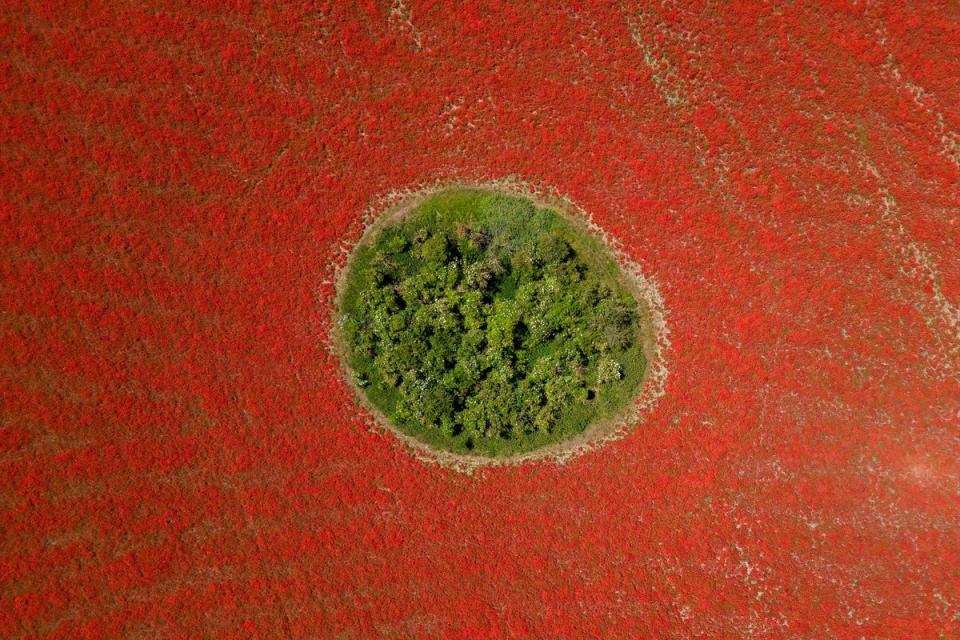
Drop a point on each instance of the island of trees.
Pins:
(482, 324)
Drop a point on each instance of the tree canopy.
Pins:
(480, 323)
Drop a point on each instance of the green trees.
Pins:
(433, 250)
(481, 324)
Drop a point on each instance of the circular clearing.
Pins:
(487, 326)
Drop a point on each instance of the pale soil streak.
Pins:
(656, 341)
(664, 74)
(402, 17)
(915, 262)
(684, 96)
(949, 140)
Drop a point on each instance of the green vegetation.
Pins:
(481, 324)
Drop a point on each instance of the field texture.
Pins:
(180, 456)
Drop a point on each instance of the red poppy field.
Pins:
(180, 456)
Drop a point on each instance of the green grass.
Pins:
(479, 324)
